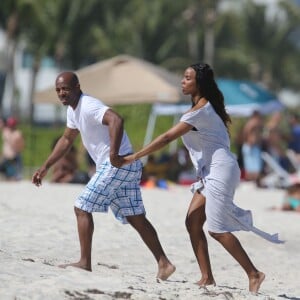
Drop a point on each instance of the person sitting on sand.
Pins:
(291, 200)
(66, 169)
(11, 164)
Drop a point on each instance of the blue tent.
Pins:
(242, 97)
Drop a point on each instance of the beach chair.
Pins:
(278, 177)
(293, 159)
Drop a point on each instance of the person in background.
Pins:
(249, 148)
(252, 160)
(274, 143)
(13, 144)
(294, 138)
(254, 124)
(291, 200)
(104, 137)
(204, 130)
(66, 169)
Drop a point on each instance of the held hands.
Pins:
(39, 175)
(119, 161)
(128, 159)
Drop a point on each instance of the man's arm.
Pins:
(61, 148)
(115, 127)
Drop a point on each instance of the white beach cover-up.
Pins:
(209, 147)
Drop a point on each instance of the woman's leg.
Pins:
(234, 247)
(194, 224)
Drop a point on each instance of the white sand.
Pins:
(38, 232)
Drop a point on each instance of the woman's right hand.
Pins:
(128, 159)
(119, 161)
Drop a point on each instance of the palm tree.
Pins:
(11, 17)
(62, 39)
(267, 43)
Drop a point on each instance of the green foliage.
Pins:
(38, 143)
(247, 44)
(39, 140)
(136, 119)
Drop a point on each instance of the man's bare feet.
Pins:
(77, 265)
(255, 282)
(206, 281)
(165, 271)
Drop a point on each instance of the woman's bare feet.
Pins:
(206, 281)
(77, 265)
(255, 282)
(165, 271)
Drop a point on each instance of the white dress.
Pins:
(209, 146)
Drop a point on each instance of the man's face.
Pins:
(66, 93)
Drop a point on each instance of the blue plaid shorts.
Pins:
(117, 188)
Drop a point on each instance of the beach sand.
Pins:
(38, 232)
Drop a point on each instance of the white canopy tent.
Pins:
(160, 109)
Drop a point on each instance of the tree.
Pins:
(267, 44)
(13, 16)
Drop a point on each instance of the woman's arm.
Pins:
(161, 141)
(164, 139)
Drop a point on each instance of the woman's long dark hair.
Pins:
(208, 89)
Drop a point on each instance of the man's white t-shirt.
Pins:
(87, 118)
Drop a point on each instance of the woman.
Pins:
(204, 130)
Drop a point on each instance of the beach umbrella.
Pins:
(243, 97)
(123, 79)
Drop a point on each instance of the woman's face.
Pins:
(188, 82)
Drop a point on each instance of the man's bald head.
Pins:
(68, 77)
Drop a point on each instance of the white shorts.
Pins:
(117, 188)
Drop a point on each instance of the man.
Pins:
(103, 136)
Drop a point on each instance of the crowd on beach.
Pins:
(277, 136)
(267, 150)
